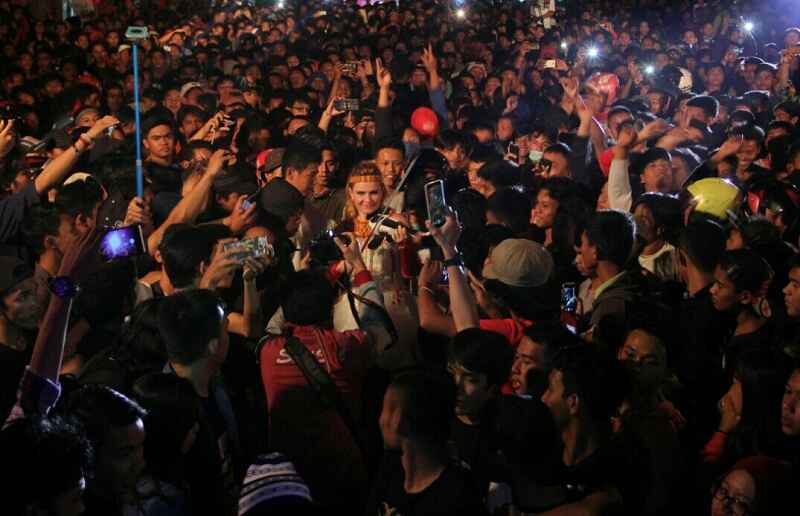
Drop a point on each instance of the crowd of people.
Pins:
(411, 258)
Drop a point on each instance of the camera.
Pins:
(324, 250)
(347, 104)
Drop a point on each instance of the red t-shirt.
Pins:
(512, 330)
(312, 435)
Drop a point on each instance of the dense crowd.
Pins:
(412, 258)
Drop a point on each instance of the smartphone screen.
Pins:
(569, 300)
(434, 198)
(122, 243)
(250, 248)
(251, 199)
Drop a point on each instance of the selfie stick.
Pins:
(134, 34)
(138, 122)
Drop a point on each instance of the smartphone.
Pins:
(435, 199)
(569, 298)
(350, 67)
(550, 63)
(167, 48)
(122, 243)
(251, 199)
(347, 104)
(445, 277)
(513, 149)
(250, 248)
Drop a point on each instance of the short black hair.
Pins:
(596, 378)
(553, 337)
(666, 211)
(298, 156)
(100, 409)
(79, 198)
(483, 352)
(390, 143)
(470, 206)
(49, 455)
(188, 321)
(512, 208)
(428, 400)
(183, 248)
(560, 148)
(707, 103)
(450, 139)
(154, 121)
(612, 232)
(746, 269)
(703, 241)
(499, 173)
(309, 300)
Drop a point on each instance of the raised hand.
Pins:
(430, 274)
(583, 111)
(627, 137)
(101, 126)
(383, 75)
(730, 147)
(429, 60)
(241, 218)
(447, 235)
(218, 161)
(139, 213)
(656, 128)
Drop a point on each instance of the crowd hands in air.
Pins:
(415, 258)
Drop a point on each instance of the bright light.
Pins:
(564, 45)
(749, 26)
(460, 13)
(649, 69)
(592, 52)
(280, 4)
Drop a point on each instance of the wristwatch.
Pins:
(456, 260)
(63, 287)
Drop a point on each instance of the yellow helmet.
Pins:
(715, 196)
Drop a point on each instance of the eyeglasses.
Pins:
(740, 506)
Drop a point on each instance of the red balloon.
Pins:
(425, 122)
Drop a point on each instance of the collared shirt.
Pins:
(607, 283)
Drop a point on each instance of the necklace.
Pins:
(361, 228)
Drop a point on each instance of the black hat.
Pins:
(281, 199)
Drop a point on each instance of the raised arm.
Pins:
(431, 317)
(462, 302)
(57, 170)
(620, 195)
(191, 206)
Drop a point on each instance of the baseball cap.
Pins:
(270, 159)
(518, 262)
(186, 88)
(13, 271)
